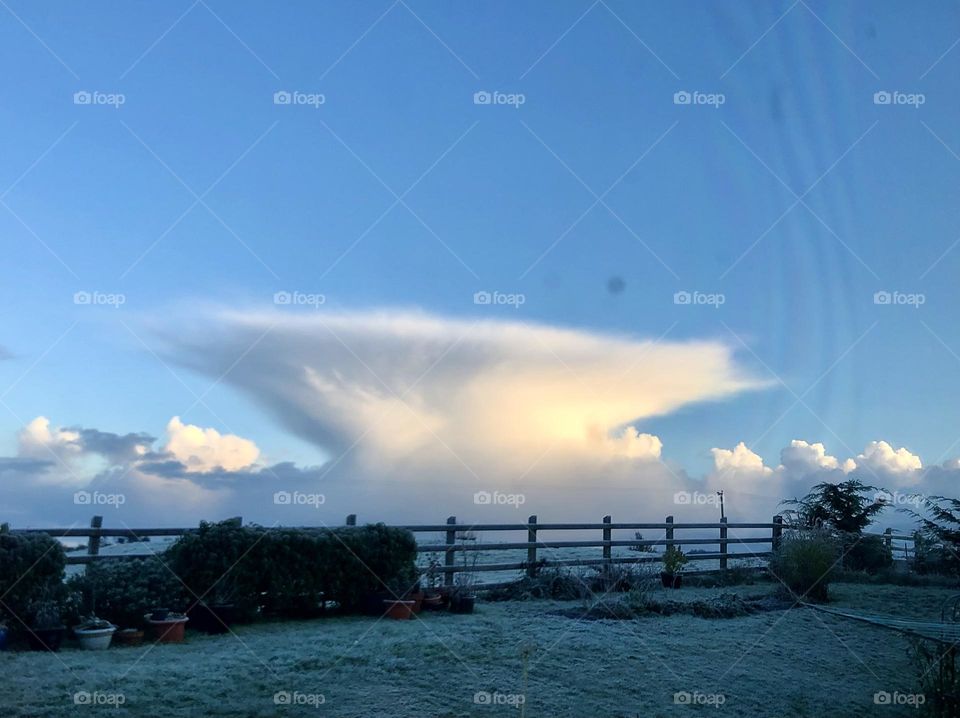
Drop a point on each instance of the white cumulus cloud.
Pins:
(202, 450)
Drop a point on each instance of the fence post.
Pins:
(448, 556)
(606, 540)
(888, 538)
(669, 535)
(723, 543)
(532, 550)
(777, 533)
(351, 519)
(93, 543)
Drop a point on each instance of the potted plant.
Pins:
(94, 633)
(400, 605)
(463, 596)
(46, 630)
(168, 626)
(673, 561)
(432, 598)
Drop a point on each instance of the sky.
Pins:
(392, 254)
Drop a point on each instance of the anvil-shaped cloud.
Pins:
(414, 388)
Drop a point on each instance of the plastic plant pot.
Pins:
(169, 630)
(94, 639)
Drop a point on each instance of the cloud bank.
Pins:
(415, 414)
(423, 391)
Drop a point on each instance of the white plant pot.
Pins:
(94, 639)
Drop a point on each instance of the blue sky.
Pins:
(796, 199)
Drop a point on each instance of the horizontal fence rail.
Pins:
(460, 540)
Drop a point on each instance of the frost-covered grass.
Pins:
(793, 663)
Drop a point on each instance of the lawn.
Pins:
(780, 663)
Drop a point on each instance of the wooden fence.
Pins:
(459, 538)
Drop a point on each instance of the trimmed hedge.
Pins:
(292, 571)
(31, 571)
(122, 590)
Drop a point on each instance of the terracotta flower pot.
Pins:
(169, 630)
(432, 603)
(417, 599)
(399, 610)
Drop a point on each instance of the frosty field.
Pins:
(780, 663)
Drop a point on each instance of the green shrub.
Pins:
(31, 572)
(805, 562)
(122, 590)
(291, 571)
(866, 553)
(222, 563)
(369, 559)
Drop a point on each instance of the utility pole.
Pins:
(720, 494)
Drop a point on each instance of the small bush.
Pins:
(938, 678)
(31, 572)
(805, 562)
(122, 590)
(866, 553)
